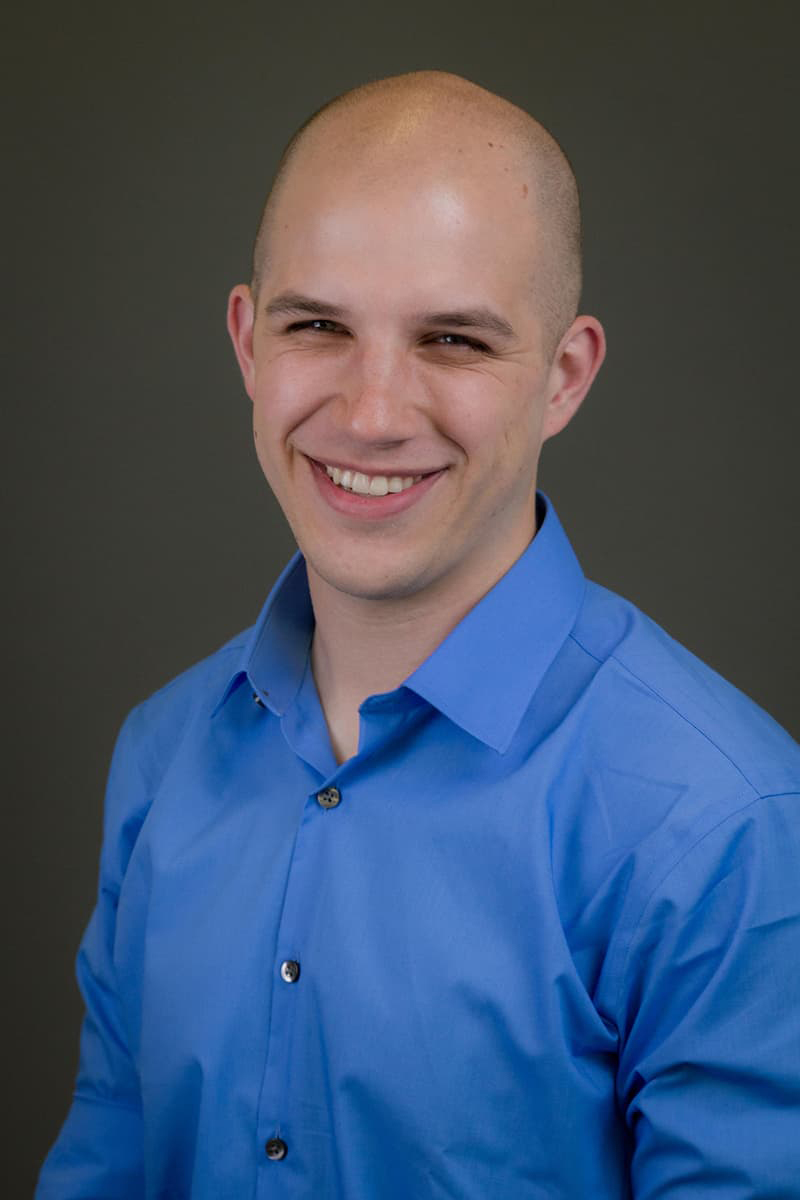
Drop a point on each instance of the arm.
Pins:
(98, 1153)
(709, 1071)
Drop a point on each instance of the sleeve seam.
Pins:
(673, 867)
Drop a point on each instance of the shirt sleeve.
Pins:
(709, 1070)
(98, 1152)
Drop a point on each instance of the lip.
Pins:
(370, 508)
(402, 472)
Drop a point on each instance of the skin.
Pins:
(429, 211)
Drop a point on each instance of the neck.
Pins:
(364, 647)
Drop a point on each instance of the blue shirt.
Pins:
(539, 938)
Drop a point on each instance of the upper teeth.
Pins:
(371, 485)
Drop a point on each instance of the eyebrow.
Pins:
(290, 303)
(481, 318)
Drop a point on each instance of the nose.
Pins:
(380, 397)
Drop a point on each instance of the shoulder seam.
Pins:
(677, 711)
(691, 724)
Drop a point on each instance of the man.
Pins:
(455, 876)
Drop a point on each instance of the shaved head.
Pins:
(412, 317)
(436, 122)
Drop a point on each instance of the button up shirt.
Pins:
(538, 938)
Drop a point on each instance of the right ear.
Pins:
(241, 318)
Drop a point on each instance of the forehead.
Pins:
(452, 219)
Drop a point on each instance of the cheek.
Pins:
(287, 390)
(262, 448)
(499, 429)
(468, 408)
(271, 420)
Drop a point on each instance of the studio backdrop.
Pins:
(141, 532)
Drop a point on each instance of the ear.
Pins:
(241, 319)
(577, 360)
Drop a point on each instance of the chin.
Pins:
(370, 583)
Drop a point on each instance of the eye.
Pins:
(459, 340)
(318, 325)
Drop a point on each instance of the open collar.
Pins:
(485, 672)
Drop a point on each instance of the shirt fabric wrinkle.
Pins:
(495, 916)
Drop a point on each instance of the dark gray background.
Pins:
(141, 531)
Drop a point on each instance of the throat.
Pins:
(343, 731)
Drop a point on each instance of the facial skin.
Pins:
(381, 233)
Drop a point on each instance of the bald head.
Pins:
(436, 121)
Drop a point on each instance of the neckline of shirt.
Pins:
(482, 676)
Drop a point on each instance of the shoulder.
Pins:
(672, 708)
(688, 802)
(149, 740)
(190, 695)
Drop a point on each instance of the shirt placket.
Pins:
(280, 1143)
(289, 1166)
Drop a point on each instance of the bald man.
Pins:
(454, 876)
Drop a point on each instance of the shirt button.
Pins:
(276, 1149)
(258, 700)
(329, 797)
(290, 971)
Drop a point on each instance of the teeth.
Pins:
(370, 485)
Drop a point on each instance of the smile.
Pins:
(364, 496)
(370, 485)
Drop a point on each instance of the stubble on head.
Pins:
(404, 212)
(447, 124)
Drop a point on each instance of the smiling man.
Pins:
(454, 876)
(409, 342)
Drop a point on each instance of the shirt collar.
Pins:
(485, 672)
(275, 655)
